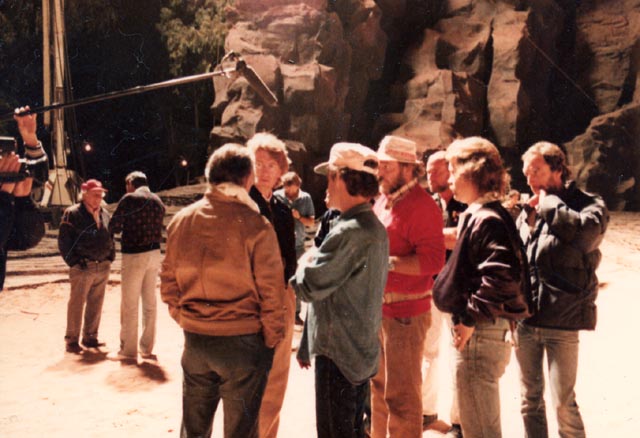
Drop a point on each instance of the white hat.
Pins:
(394, 148)
(351, 155)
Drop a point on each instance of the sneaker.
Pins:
(92, 343)
(454, 432)
(149, 356)
(119, 357)
(73, 347)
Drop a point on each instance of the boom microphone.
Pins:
(256, 83)
(241, 67)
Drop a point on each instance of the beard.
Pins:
(389, 187)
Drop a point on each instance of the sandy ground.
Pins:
(45, 392)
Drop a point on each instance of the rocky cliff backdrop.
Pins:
(515, 72)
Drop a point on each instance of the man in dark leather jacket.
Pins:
(561, 227)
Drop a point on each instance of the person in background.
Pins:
(86, 245)
(484, 284)
(271, 162)
(301, 206)
(21, 224)
(138, 217)
(438, 183)
(512, 204)
(343, 280)
(222, 281)
(416, 254)
(562, 228)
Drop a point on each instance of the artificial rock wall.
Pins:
(515, 72)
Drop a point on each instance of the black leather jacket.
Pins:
(282, 220)
(562, 248)
(485, 277)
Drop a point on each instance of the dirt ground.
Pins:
(46, 392)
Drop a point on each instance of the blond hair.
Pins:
(271, 145)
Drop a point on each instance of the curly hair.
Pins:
(271, 145)
(478, 160)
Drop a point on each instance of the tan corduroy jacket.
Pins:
(222, 273)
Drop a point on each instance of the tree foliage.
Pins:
(113, 45)
(194, 32)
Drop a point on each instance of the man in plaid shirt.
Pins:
(139, 218)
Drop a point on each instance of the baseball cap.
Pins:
(92, 185)
(394, 148)
(350, 155)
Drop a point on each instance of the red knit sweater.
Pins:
(414, 226)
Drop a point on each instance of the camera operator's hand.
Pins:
(9, 164)
(23, 188)
(27, 126)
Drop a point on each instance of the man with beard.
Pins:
(416, 253)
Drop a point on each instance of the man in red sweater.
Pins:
(416, 253)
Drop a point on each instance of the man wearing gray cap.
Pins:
(343, 281)
(416, 253)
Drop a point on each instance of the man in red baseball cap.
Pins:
(87, 247)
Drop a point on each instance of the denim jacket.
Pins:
(344, 281)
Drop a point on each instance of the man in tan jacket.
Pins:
(222, 279)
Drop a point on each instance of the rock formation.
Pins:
(513, 71)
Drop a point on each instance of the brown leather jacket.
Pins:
(222, 274)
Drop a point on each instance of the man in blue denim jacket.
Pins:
(344, 280)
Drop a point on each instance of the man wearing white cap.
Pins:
(416, 253)
(87, 247)
(343, 280)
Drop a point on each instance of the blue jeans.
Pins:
(479, 367)
(561, 347)
(231, 368)
(339, 403)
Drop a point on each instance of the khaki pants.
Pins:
(87, 287)
(139, 276)
(273, 398)
(396, 399)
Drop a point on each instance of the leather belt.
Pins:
(394, 297)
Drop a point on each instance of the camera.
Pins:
(7, 145)
(27, 166)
